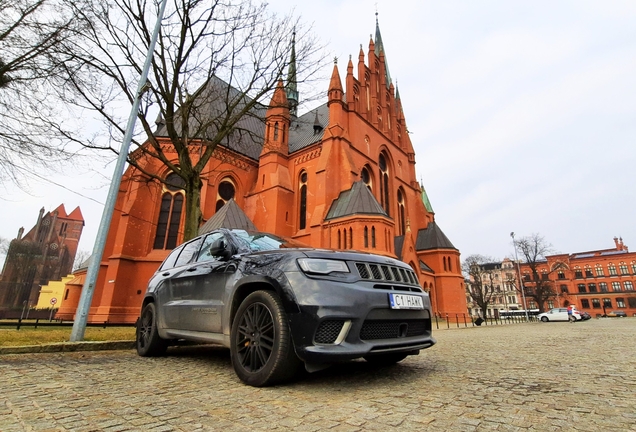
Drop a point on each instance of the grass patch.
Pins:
(47, 335)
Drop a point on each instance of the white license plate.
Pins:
(405, 301)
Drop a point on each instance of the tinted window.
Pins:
(204, 254)
(172, 258)
(190, 250)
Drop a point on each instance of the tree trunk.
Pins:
(193, 213)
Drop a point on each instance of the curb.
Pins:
(68, 347)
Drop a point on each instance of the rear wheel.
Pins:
(385, 359)
(148, 342)
(544, 319)
(261, 347)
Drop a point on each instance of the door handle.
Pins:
(165, 274)
(191, 269)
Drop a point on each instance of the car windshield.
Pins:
(258, 241)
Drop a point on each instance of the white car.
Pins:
(558, 314)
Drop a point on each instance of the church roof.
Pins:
(301, 131)
(229, 216)
(426, 201)
(76, 214)
(357, 200)
(398, 244)
(432, 237)
(213, 100)
(425, 268)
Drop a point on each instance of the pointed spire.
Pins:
(335, 85)
(279, 100)
(379, 50)
(292, 88)
(317, 126)
(425, 200)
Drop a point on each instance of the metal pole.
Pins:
(81, 315)
(523, 291)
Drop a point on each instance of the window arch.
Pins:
(384, 182)
(302, 206)
(225, 192)
(401, 211)
(366, 237)
(373, 237)
(344, 238)
(170, 210)
(365, 175)
(350, 238)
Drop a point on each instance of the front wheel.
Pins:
(544, 319)
(261, 347)
(385, 359)
(148, 342)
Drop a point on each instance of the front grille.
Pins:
(328, 331)
(393, 329)
(386, 273)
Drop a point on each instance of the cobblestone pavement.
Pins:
(554, 376)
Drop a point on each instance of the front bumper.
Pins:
(341, 321)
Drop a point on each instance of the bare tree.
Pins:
(533, 250)
(31, 32)
(215, 66)
(480, 271)
(81, 257)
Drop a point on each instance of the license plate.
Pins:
(405, 301)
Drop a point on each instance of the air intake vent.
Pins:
(328, 331)
(387, 273)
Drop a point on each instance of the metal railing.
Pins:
(459, 320)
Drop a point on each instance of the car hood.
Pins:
(336, 255)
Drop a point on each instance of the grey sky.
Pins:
(522, 114)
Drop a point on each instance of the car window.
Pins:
(189, 250)
(258, 241)
(172, 258)
(204, 253)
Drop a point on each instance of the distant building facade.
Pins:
(501, 275)
(44, 254)
(339, 177)
(597, 281)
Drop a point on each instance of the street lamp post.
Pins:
(523, 291)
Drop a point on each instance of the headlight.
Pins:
(322, 266)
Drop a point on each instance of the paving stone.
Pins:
(495, 378)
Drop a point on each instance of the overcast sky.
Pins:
(522, 115)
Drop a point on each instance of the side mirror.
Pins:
(219, 248)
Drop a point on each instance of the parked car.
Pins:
(278, 305)
(559, 314)
(617, 314)
(585, 316)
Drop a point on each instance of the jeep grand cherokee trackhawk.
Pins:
(277, 305)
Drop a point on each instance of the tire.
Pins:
(544, 319)
(261, 347)
(148, 342)
(385, 359)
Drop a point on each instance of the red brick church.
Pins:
(341, 176)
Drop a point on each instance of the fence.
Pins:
(458, 319)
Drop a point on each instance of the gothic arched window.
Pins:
(401, 211)
(170, 213)
(384, 183)
(365, 175)
(302, 212)
(225, 192)
(366, 237)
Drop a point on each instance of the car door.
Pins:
(160, 283)
(212, 270)
(202, 286)
(177, 309)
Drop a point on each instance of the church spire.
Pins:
(291, 89)
(379, 48)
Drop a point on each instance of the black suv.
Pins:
(277, 305)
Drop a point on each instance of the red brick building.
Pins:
(341, 176)
(44, 254)
(598, 281)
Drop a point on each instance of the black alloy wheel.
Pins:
(261, 347)
(148, 342)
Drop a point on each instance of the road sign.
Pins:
(53, 300)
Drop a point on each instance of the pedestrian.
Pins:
(571, 317)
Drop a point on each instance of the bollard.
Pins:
(436, 322)
(447, 322)
(465, 325)
(457, 320)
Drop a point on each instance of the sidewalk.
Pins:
(68, 347)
